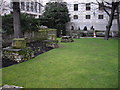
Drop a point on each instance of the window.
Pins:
(11, 5)
(32, 6)
(87, 16)
(22, 6)
(27, 6)
(35, 6)
(39, 16)
(75, 7)
(88, 7)
(115, 16)
(100, 17)
(100, 7)
(39, 7)
(75, 16)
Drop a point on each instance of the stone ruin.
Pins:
(66, 39)
(10, 87)
(18, 51)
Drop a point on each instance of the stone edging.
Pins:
(10, 86)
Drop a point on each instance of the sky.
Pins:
(45, 1)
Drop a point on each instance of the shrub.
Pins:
(27, 23)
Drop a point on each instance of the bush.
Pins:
(27, 24)
(56, 15)
(7, 24)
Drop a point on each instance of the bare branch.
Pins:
(106, 12)
(102, 4)
(108, 3)
(105, 9)
(97, 1)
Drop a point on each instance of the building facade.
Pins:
(88, 13)
(33, 8)
(82, 13)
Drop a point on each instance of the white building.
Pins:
(82, 13)
(31, 7)
(87, 13)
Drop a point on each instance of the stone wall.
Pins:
(17, 55)
(89, 33)
(31, 36)
(37, 42)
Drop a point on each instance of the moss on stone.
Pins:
(19, 56)
(52, 37)
(19, 43)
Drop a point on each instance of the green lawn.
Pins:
(85, 63)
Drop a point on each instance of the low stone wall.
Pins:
(90, 33)
(31, 36)
(19, 52)
(10, 87)
(18, 55)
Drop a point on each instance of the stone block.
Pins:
(66, 39)
(52, 37)
(18, 55)
(19, 43)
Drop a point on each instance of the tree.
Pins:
(28, 23)
(7, 24)
(3, 6)
(56, 16)
(16, 19)
(114, 7)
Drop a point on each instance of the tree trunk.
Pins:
(16, 17)
(118, 20)
(110, 21)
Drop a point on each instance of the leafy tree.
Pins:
(7, 24)
(56, 16)
(3, 6)
(28, 24)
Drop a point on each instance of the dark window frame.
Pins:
(115, 17)
(32, 6)
(88, 17)
(88, 6)
(27, 6)
(100, 16)
(11, 5)
(36, 6)
(75, 7)
(39, 8)
(100, 7)
(22, 5)
(75, 16)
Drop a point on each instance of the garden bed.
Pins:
(38, 48)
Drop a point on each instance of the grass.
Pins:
(85, 63)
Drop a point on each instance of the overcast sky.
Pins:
(45, 1)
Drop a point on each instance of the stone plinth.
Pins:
(66, 39)
(51, 43)
(19, 43)
(17, 55)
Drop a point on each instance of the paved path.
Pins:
(92, 37)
